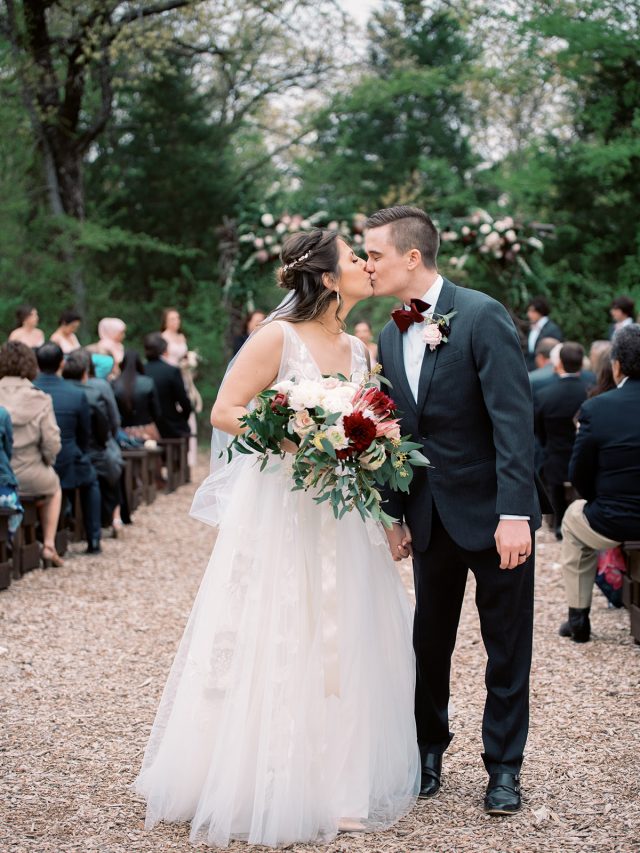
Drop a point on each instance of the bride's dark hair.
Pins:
(306, 257)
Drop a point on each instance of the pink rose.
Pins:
(432, 335)
(303, 423)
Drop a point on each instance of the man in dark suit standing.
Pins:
(605, 469)
(73, 415)
(540, 326)
(555, 409)
(175, 406)
(463, 389)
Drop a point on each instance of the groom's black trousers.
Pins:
(504, 598)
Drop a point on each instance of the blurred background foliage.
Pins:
(141, 145)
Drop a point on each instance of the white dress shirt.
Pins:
(413, 343)
(413, 349)
(535, 332)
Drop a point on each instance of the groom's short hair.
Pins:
(411, 228)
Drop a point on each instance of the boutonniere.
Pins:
(437, 329)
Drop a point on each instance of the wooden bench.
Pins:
(26, 548)
(6, 564)
(631, 586)
(135, 473)
(175, 452)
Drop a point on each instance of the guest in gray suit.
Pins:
(463, 388)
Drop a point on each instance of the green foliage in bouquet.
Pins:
(347, 440)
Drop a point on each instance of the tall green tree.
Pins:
(400, 134)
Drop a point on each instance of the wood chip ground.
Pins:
(84, 652)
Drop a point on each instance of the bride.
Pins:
(288, 712)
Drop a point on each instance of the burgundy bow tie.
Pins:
(405, 317)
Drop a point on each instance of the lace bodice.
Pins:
(298, 363)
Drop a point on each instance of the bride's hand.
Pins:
(288, 446)
(399, 538)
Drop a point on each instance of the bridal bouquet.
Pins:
(347, 436)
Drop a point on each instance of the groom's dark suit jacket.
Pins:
(474, 418)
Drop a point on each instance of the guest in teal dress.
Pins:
(8, 482)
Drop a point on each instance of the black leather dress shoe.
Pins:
(431, 772)
(93, 547)
(503, 794)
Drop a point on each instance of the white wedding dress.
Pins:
(289, 706)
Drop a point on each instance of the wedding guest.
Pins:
(65, 334)
(177, 354)
(103, 449)
(98, 371)
(26, 330)
(171, 331)
(36, 439)
(605, 469)
(544, 372)
(8, 481)
(111, 333)
(175, 406)
(604, 375)
(622, 312)
(555, 409)
(251, 323)
(137, 398)
(73, 464)
(538, 311)
(364, 332)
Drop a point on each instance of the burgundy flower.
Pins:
(279, 401)
(359, 430)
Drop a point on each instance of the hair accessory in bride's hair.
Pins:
(296, 261)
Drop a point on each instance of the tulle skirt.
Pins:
(289, 706)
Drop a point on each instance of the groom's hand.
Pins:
(513, 542)
(399, 538)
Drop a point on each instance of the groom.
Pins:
(467, 400)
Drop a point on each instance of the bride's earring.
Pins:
(338, 300)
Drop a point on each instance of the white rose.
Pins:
(306, 395)
(281, 228)
(493, 240)
(337, 437)
(374, 460)
(267, 220)
(283, 387)
(465, 230)
(516, 247)
(511, 235)
(485, 228)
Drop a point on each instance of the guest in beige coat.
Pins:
(36, 439)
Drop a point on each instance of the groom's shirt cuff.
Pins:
(515, 517)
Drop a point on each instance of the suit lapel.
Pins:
(443, 306)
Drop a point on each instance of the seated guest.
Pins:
(555, 409)
(544, 371)
(175, 406)
(98, 371)
(622, 312)
(65, 334)
(605, 469)
(26, 331)
(111, 333)
(137, 398)
(540, 326)
(73, 463)
(604, 373)
(36, 439)
(599, 351)
(104, 452)
(8, 482)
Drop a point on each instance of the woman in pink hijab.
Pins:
(111, 331)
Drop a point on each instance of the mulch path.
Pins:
(84, 652)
